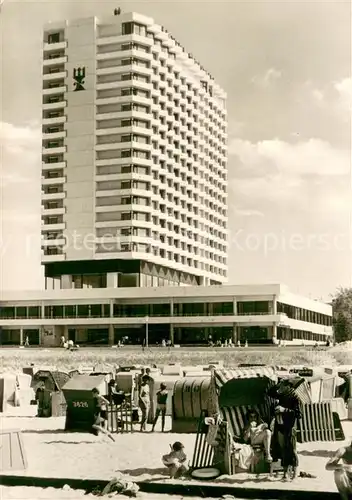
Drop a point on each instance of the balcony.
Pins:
(53, 242)
(53, 196)
(55, 90)
(122, 223)
(60, 226)
(147, 56)
(108, 40)
(53, 258)
(55, 61)
(55, 120)
(123, 145)
(122, 177)
(115, 69)
(51, 181)
(123, 114)
(54, 135)
(115, 130)
(53, 166)
(124, 54)
(113, 208)
(49, 212)
(114, 192)
(56, 75)
(54, 105)
(54, 151)
(122, 161)
(124, 130)
(53, 47)
(122, 99)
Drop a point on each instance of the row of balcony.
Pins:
(121, 83)
(182, 56)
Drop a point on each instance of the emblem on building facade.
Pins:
(79, 75)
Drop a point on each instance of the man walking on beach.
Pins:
(342, 471)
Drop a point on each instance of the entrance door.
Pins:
(72, 335)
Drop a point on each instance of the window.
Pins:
(126, 153)
(126, 123)
(127, 28)
(54, 38)
(126, 76)
(53, 159)
(70, 311)
(126, 216)
(134, 28)
(126, 107)
(126, 62)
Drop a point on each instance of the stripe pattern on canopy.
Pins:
(223, 376)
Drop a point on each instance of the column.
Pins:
(274, 339)
(274, 305)
(21, 336)
(234, 334)
(172, 335)
(66, 282)
(111, 335)
(234, 306)
(112, 280)
(66, 332)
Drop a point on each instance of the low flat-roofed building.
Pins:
(258, 314)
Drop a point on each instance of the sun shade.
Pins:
(243, 387)
(245, 392)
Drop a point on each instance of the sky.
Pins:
(286, 68)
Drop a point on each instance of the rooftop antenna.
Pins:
(117, 11)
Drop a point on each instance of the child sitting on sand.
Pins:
(175, 460)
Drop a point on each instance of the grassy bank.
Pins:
(64, 360)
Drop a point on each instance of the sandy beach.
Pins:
(52, 452)
(24, 493)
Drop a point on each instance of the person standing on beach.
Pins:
(100, 414)
(161, 400)
(144, 402)
(342, 471)
(285, 437)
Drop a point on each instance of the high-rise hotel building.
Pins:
(134, 172)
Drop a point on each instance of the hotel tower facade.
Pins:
(134, 166)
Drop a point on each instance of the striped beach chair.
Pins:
(233, 417)
(319, 423)
(205, 455)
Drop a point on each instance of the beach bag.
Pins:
(213, 430)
